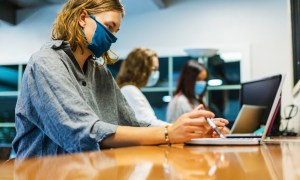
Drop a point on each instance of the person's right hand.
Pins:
(190, 125)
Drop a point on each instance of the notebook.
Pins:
(267, 86)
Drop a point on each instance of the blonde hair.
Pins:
(136, 68)
(67, 28)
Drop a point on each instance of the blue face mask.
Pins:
(153, 78)
(200, 87)
(101, 40)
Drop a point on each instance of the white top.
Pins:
(178, 106)
(140, 105)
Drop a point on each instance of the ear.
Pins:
(82, 18)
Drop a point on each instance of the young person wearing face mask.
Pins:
(190, 90)
(140, 69)
(70, 103)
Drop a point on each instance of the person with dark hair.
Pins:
(140, 69)
(190, 90)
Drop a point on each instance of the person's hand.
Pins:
(190, 125)
(221, 124)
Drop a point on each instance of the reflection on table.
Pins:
(269, 161)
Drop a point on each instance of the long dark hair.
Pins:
(187, 81)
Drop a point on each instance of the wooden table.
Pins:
(273, 160)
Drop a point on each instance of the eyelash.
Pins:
(109, 27)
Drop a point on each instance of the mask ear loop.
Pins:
(82, 30)
(93, 56)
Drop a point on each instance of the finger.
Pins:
(197, 129)
(215, 135)
(225, 130)
(219, 124)
(200, 113)
(197, 122)
(200, 107)
(221, 120)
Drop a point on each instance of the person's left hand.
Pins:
(221, 124)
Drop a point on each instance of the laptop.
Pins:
(270, 90)
(247, 121)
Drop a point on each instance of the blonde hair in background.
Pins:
(136, 68)
(67, 28)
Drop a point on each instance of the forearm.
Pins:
(188, 126)
(134, 136)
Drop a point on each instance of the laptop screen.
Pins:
(261, 93)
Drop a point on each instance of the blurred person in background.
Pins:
(140, 69)
(190, 91)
